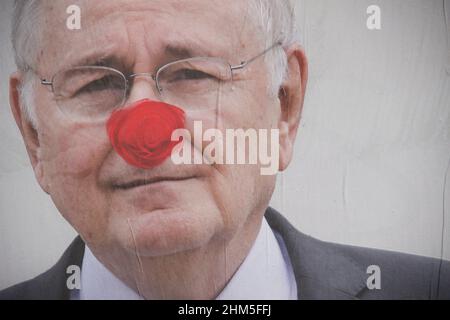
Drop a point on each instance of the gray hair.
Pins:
(25, 37)
(276, 17)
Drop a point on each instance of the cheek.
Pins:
(245, 109)
(75, 152)
(72, 160)
(247, 189)
(68, 149)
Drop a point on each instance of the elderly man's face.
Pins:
(191, 206)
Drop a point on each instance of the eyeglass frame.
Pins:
(155, 77)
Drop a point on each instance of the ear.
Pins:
(291, 96)
(29, 133)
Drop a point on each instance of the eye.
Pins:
(189, 74)
(105, 83)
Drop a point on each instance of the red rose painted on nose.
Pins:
(141, 133)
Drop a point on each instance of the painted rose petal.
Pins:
(141, 133)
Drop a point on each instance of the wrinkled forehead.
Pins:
(193, 27)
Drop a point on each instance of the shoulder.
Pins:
(50, 285)
(346, 270)
(399, 275)
(42, 287)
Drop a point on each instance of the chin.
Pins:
(165, 232)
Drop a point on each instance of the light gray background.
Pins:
(372, 154)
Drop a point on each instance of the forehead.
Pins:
(210, 27)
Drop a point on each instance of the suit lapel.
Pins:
(53, 283)
(321, 270)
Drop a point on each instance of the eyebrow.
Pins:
(99, 60)
(171, 52)
(182, 52)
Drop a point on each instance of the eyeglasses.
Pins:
(91, 93)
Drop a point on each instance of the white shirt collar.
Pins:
(265, 274)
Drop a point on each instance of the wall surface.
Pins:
(372, 156)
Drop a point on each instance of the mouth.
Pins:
(145, 182)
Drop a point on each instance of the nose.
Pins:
(143, 86)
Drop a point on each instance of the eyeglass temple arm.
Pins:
(44, 82)
(245, 63)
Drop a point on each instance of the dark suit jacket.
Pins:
(322, 271)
